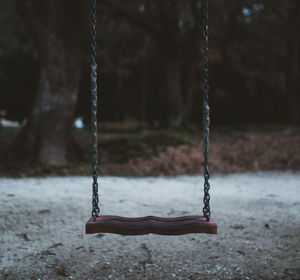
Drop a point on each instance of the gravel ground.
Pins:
(42, 224)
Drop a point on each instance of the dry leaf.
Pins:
(267, 226)
(237, 227)
(44, 211)
(55, 245)
(24, 235)
(48, 252)
(63, 271)
(241, 252)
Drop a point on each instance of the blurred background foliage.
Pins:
(248, 61)
(150, 66)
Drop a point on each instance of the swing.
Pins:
(150, 224)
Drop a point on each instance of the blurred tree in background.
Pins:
(293, 60)
(18, 64)
(150, 65)
(57, 40)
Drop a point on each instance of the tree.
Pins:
(150, 61)
(293, 60)
(19, 69)
(57, 29)
(175, 29)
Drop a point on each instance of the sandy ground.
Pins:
(42, 228)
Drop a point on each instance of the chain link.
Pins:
(94, 121)
(206, 111)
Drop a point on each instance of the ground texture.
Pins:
(42, 228)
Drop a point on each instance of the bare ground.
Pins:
(42, 228)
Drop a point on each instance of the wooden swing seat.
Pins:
(150, 224)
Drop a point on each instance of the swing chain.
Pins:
(206, 118)
(94, 122)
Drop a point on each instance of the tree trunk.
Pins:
(144, 93)
(189, 90)
(293, 61)
(47, 136)
(118, 106)
(174, 92)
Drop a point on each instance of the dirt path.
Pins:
(42, 229)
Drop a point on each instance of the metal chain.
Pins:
(206, 118)
(94, 122)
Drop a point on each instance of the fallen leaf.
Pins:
(44, 211)
(48, 252)
(63, 271)
(24, 235)
(55, 245)
(237, 227)
(267, 226)
(241, 252)
(147, 254)
(213, 257)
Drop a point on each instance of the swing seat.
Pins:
(150, 224)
